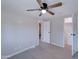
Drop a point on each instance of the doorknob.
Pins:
(73, 34)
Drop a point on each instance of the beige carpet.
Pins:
(45, 51)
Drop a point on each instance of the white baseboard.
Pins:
(20, 51)
(57, 45)
(3, 57)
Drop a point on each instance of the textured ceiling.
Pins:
(19, 6)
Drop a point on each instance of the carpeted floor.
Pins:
(45, 51)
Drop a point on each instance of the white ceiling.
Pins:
(19, 6)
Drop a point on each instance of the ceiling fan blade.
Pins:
(50, 12)
(33, 10)
(40, 2)
(40, 14)
(55, 5)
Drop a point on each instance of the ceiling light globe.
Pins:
(43, 11)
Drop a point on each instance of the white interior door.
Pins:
(46, 31)
(75, 34)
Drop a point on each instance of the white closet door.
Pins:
(46, 31)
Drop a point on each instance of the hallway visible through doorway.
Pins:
(68, 31)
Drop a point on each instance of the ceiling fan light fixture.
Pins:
(44, 7)
(43, 11)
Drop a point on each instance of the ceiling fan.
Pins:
(45, 8)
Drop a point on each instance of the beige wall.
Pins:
(57, 31)
(18, 33)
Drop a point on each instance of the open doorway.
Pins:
(68, 31)
(68, 34)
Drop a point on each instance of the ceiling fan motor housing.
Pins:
(44, 6)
